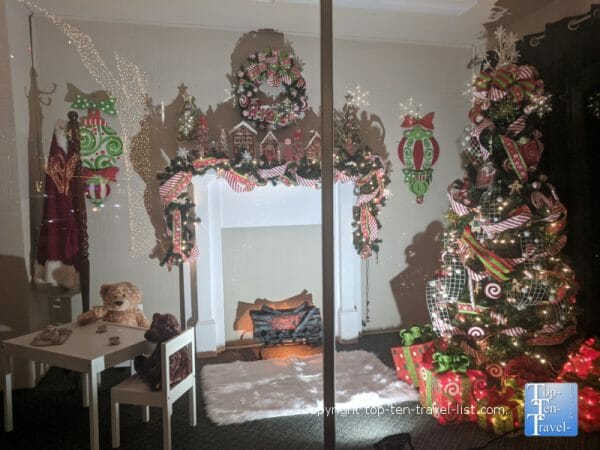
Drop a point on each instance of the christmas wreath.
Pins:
(277, 68)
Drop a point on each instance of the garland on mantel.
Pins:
(368, 171)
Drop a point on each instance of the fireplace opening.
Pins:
(282, 325)
(266, 243)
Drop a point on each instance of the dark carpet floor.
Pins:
(51, 417)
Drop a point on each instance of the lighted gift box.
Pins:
(524, 369)
(409, 358)
(589, 409)
(501, 411)
(452, 395)
(584, 362)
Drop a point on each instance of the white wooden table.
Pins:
(85, 351)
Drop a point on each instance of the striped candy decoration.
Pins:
(476, 276)
(551, 328)
(497, 94)
(253, 71)
(498, 318)
(174, 186)
(342, 177)
(368, 224)
(313, 183)
(236, 181)
(520, 217)
(203, 162)
(274, 80)
(514, 157)
(478, 356)
(525, 72)
(515, 332)
(366, 198)
(518, 125)
(458, 208)
(273, 172)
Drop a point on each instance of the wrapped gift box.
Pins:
(501, 411)
(583, 363)
(524, 369)
(589, 409)
(419, 346)
(452, 395)
(409, 359)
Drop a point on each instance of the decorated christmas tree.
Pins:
(347, 127)
(187, 124)
(504, 289)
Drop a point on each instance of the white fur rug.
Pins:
(242, 391)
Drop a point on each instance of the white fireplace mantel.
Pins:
(219, 207)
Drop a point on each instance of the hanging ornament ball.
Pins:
(499, 199)
(536, 185)
(526, 233)
(492, 290)
(537, 267)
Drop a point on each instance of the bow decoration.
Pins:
(93, 176)
(425, 122)
(443, 362)
(417, 335)
(106, 106)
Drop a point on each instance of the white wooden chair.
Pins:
(134, 391)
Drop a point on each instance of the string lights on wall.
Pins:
(128, 85)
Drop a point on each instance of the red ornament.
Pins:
(418, 151)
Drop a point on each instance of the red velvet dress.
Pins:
(59, 235)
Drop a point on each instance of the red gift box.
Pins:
(501, 412)
(524, 369)
(451, 396)
(584, 362)
(409, 360)
(589, 409)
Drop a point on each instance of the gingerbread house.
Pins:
(313, 148)
(269, 148)
(243, 137)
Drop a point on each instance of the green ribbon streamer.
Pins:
(428, 387)
(417, 335)
(444, 362)
(106, 106)
(410, 365)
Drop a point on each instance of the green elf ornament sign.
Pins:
(418, 151)
(101, 147)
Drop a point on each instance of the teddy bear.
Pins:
(163, 328)
(121, 301)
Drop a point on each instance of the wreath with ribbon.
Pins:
(277, 68)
